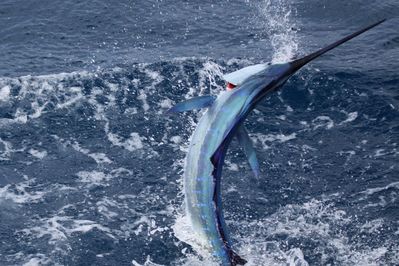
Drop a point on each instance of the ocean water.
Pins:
(91, 169)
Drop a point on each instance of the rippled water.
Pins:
(90, 169)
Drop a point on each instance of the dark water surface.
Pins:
(90, 169)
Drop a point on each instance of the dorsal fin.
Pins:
(246, 144)
(237, 77)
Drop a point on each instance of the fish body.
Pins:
(201, 183)
(222, 121)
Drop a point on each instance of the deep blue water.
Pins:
(91, 171)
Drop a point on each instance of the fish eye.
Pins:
(230, 86)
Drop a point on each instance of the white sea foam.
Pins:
(19, 117)
(156, 79)
(183, 230)
(372, 191)
(5, 93)
(135, 142)
(176, 139)
(322, 121)
(156, 76)
(99, 157)
(145, 225)
(76, 96)
(351, 117)
(21, 193)
(232, 166)
(38, 154)
(131, 111)
(166, 103)
(380, 152)
(270, 138)
(315, 221)
(373, 226)
(41, 92)
(240, 61)
(37, 260)
(5, 150)
(295, 257)
(84, 226)
(94, 178)
(105, 207)
(60, 228)
(147, 262)
(143, 97)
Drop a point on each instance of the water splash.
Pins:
(277, 22)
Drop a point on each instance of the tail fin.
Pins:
(236, 259)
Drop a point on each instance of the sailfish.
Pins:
(220, 123)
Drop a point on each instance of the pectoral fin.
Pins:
(246, 143)
(193, 103)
